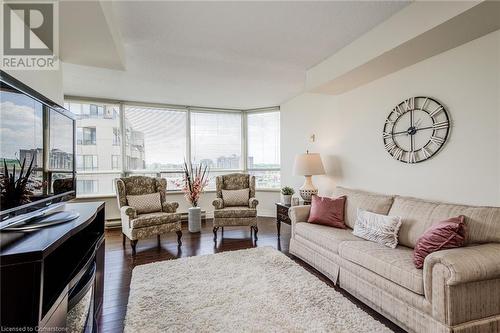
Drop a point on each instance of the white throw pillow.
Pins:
(377, 228)
(236, 197)
(145, 203)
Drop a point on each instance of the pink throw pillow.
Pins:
(447, 234)
(327, 211)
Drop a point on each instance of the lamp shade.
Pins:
(308, 164)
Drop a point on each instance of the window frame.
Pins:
(124, 170)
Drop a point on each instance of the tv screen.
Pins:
(36, 150)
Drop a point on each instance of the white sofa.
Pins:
(458, 290)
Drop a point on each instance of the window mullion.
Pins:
(123, 144)
(244, 141)
(188, 136)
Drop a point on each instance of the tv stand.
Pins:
(45, 271)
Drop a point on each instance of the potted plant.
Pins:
(195, 181)
(286, 195)
(17, 189)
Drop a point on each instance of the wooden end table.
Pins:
(282, 215)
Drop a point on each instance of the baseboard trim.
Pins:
(116, 221)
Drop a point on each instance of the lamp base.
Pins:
(308, 190)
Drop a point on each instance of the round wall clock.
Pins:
(416, 129)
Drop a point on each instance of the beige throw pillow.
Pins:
(146, 203)
(377, 228)
(236, 197)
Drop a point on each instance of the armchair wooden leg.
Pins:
(123, 237)
(215, 233)
(159, 241)
(255, 231)
(133, 244)
(179, 236)
(222, 232)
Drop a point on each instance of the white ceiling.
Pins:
(223, 54)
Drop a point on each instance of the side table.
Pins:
(282, 215)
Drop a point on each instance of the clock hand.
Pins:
(400, 133)
(424, 128)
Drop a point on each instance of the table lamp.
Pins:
(307, 165)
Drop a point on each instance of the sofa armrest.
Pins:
(466, 264)
(467, 274)
(169, 207)
(218, 203)
(253, 202)
(298, 214)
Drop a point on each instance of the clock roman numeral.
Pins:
(412, 157)
(398, 153)
(390, 122)
(440, 125)
(389, 146)
(437, 140)
(386, 135)
(436, 111)
(424, 104)
(409, 104)
(426, 152)
(399, 111)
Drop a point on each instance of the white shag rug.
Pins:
(255, 290)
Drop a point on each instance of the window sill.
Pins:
(112, 195)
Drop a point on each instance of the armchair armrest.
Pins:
(218, 203)
(169, 207)
(128, 211)
(466, 264)
(253, 202)
(298, 214)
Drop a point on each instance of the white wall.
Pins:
(47, 82)
(348, 129)
(266, 206)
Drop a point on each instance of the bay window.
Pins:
(124, 139)
(155, 138)
(216, 139)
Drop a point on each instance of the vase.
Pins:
(194, 219)
(286, 199)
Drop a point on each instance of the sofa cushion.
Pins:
(233, 198)
(444, 235)
(145, 203)
(418, 215)
(152, 219)
(377, 228)
(395, 265)
(231, 212)
(327, 211)
(324, 236)
(372, 202)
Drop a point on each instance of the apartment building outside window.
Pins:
(86, 135)
(116, 136)
(86, 162)
(87, 186)
(115, 162)
(96, 145)
(156, 140)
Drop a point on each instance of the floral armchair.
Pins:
(140, 226)
(244, 215)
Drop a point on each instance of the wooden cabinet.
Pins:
(39, 268)
(281, 215)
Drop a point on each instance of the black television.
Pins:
(36, 132)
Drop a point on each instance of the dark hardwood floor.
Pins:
(120, 262)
